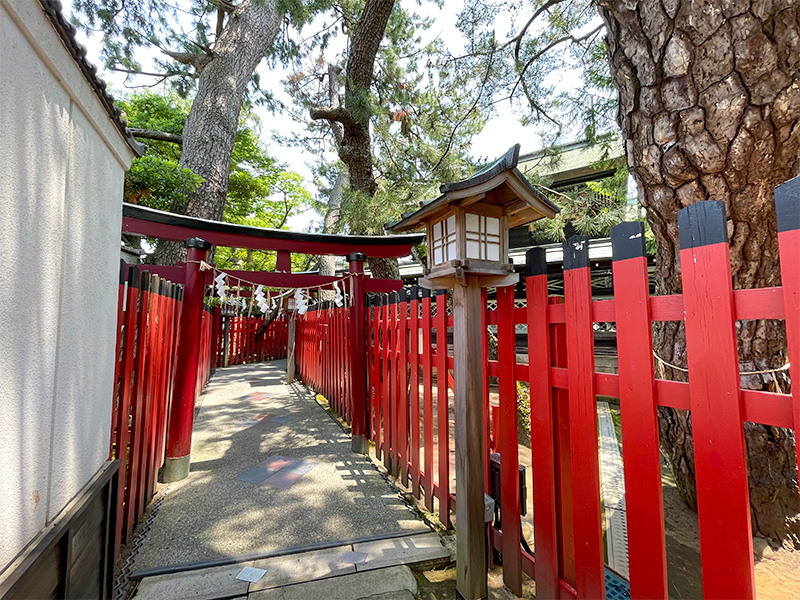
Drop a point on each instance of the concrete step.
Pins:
(322, 567)
(390, 583)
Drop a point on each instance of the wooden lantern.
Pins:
(467, 226)
(467, 229)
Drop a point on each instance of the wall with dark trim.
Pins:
(62, 164)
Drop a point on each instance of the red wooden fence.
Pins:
(147, 337)
(321, 353)
(410, 410)
(235, 335)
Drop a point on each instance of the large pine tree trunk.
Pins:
(327, 263)
(709, 105)
(355, 148)
(210, 129)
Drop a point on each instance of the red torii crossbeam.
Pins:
(139, 220)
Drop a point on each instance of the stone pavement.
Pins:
(270, 470)
(377, 569)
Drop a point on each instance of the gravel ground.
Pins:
(211, 515)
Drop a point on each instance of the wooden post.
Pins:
(590, 573)
(442, 409)
(543, 439)
(290, 348)
(637, 397)
(467, 354)
(723, 496)
(508, 445)
(358, 356)
(226, 346)
(179, 439)
(427, 399)
(787, 212)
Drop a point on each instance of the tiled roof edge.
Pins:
(66, 32)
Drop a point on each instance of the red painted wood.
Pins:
(394, 383)
(590, 581)
(758, 406)
(236, 240)
(375, 381)
(640, 450)
(166, 386)
(760, 303)
(789, 244)
(543, 440)
(563, 447)
(487, 409)
(496, 434)
(155, 392)
(387, 386)
(720, 461)
(402, 381)
(508, 443)
(179, 438)
(442, 411)
(137, 403)
(217, 339)
(123, 410)
(143, 497)
(414, 333)
(283, 262)
(427, 401)
(115, 392)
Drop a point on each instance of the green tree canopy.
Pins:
(262, 192)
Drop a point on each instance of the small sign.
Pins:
(354, 558)
(251, 574)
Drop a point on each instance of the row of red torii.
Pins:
(199, 236)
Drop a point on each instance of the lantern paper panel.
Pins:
(482, 237)
(444, 240)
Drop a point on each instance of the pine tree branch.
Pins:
(517, 39)
(161, 136)
(338, 114)
(193, 59)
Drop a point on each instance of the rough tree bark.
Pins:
(709, 106)
(327, 262)
(355, 149)
(210, 128)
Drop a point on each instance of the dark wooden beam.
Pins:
(139, 220)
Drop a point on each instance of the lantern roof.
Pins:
(499, 183)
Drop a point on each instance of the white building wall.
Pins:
(62, 164)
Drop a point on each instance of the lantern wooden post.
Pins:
(470, 514)
(468, 250)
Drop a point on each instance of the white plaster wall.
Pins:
(62, 164)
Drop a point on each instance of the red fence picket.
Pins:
(442, 411)
(637, 397)
(583, 420)
(147, 340)
(233, 338)
(322, 339)
(410, 424)
(723, 496)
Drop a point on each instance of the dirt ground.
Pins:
(777, 571)
(441, 585)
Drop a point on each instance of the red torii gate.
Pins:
(199, 236)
